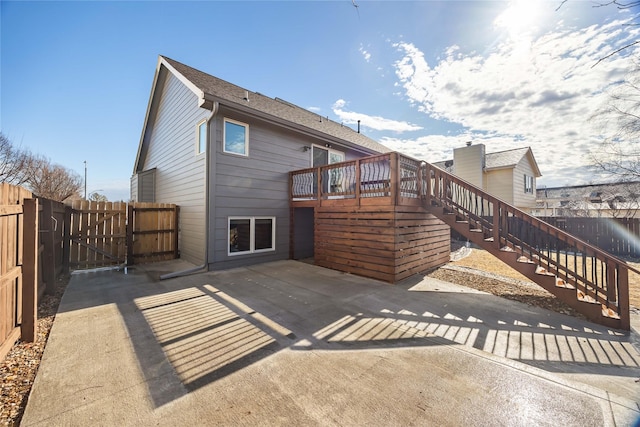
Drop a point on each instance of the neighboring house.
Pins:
(223, 154)
(508, 175)
(612, 200)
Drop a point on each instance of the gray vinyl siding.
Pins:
(180, 172)
(257, 185)
(134, 188)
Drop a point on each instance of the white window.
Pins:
(201, 145)
(236, 137)
(251, 235)
(528, 184)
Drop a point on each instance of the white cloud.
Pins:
(371, 122)
(541, 92)
(365, 54)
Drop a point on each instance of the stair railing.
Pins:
(597, 276)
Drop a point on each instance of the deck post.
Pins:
(393, 171)
(319, 185)
(427, 170)
(419, 178)
(496, 224)
(623, 298)
(358, 178)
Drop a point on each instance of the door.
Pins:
(331, 179)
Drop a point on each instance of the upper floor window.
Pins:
(236, 137)
(202, 137)
(528, 184)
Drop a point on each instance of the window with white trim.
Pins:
(201, 145)
(528, 184)
(235, 137)
(247, 235)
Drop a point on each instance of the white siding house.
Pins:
(606, 200)
(509, 175)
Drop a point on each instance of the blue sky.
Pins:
(423, 77)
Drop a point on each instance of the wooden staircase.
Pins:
(586, 278)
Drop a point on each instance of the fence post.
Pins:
(66, 240)
(47, 236)
(29, 324)
(130, 234)
(176, 222)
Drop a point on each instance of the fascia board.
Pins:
(288, 124)
(154, 87)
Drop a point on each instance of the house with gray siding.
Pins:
(509, 175)
(223, 154)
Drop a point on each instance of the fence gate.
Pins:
(105, 233)
(18, 266)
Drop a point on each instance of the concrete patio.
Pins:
(287, 343)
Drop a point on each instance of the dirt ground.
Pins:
(481, 260)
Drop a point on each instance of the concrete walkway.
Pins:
(287, 343)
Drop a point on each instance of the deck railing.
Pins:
(597, 276)
(392, 178)
(387, 178)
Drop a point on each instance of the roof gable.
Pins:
(510, 159)
(501, 160)
(210, 88)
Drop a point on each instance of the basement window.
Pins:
(251, 235)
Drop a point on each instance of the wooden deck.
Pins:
(369, 217)
(389, 216)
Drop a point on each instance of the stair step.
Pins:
(507, 249)
(543, 271)
(462, 221)
(608, 312)
(476, 230)
(561, 283)
(523, 259)
(489, 239)
(586, 298)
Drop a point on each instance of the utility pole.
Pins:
(85, 180)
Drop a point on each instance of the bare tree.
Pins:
(619, 120)
(620, 5)
(14, 162)
(97, 197)
(622, 200)
(53, 181)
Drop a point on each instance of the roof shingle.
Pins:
(233, 94)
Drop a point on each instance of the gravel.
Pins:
(19, 368)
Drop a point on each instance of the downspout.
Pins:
(203, 267)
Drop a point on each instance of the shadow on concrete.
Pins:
(191, 331)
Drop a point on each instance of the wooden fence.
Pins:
(41, 239)
(53, 243)
(19, 250)
(105, 234)
(618, 236)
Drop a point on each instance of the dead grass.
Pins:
(482, 260)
